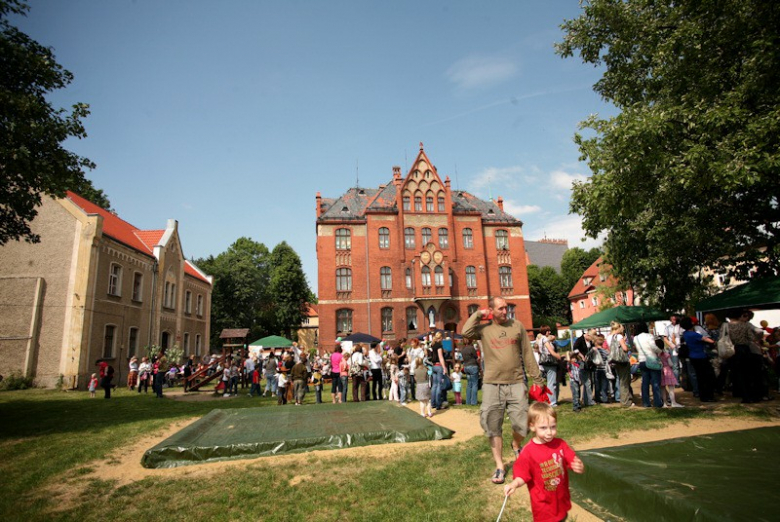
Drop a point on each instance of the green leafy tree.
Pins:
(548, 292)
(240, 294)
(685, 176)
(33, 162)
(289, 289)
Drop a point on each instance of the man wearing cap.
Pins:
(508, 356)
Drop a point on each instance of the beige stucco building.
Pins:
(96, 287)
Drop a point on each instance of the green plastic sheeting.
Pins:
(254, 432)
(724, 476)
(622, 314)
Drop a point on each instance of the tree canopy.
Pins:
(256, 289)
(33, 162)
(549, 292)
(684, 178)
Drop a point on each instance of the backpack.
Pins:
(355, 369)
(616, 353)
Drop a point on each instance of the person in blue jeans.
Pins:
(439, 370)
(548, 357)
(471, 367)
(575, 381)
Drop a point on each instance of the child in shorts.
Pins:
(543, 465)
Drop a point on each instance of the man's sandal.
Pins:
(498, 476)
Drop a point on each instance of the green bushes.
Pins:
(16, 381)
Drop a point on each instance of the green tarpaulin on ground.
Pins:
(275, 430)
(622, 314)
(758, 293)
(723, 476)
(273, 341)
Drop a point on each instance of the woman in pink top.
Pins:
(335, 362)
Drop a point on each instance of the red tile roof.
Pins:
(593, 272)
(117, 228)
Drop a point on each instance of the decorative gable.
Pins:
(423, 189)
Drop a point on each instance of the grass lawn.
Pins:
(51, 441)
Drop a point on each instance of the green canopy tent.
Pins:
(622, 314)
(273, 341)
(757, 294)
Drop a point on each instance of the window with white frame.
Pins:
(115, 280)
(344, 280)
(108, 341)
(594, 301)
(418, 203)
(502, 240)
(505, 276)
(441, 204)
(468, 238)
(510, 311)
(471, 277)
(138, 285)
(387, 319)
(582, 304)
(409, 238)
(426, 276)
(429, 204)
(386, 278)
(438, 274)
(384, 237)
(343, 239)
(427, 235)
(408, 277)
(132, 342)
(444, 238)
(344, 320)
(411, 318)
(407, 203)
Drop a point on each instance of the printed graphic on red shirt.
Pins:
(552, 471)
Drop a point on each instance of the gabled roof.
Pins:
(384, 199)
(465, 202)
(142, 241)
(593, 271)
(311, 310)
(351, 205)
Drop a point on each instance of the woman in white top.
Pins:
(648, 353)
(375, 365)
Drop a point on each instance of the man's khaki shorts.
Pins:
(498, 399)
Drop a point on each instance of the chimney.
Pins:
(396, 172)
(319, 204)
(500, 203)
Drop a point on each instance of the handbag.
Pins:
(651, 361)
(545, 359)
(653, 364)
(725, 345)
(616, 353)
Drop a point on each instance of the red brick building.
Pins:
(396, 259)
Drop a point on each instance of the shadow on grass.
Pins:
(32, 413)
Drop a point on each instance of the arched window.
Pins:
(343, 279)
(407, 203)
(427, 235)
(411, 318)
(505, 276)
(468, 238)
(439, 275)
(384, 237)
(409, 278)
(471, 277)
(418, 203)
(343, 239)
(444, 238)
(429, 203)
(344, 320)
(386, 278)
(502, 240)
(426, 276)
(441, 204)
(409, 238)
(387, 319)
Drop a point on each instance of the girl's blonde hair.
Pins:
(540, 410)
(616, 327)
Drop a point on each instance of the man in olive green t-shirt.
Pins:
(508, 355)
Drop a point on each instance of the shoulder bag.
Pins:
(616, 353)
(725, 345)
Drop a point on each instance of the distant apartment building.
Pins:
(96, 287)
(413, 254)
(308, 332)
(593, 293)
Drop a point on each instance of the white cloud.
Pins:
(563, 227)
(476, 72)
(563, 180)
(513, 209)
(493, 178)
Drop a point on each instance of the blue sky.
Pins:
(230, 116)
